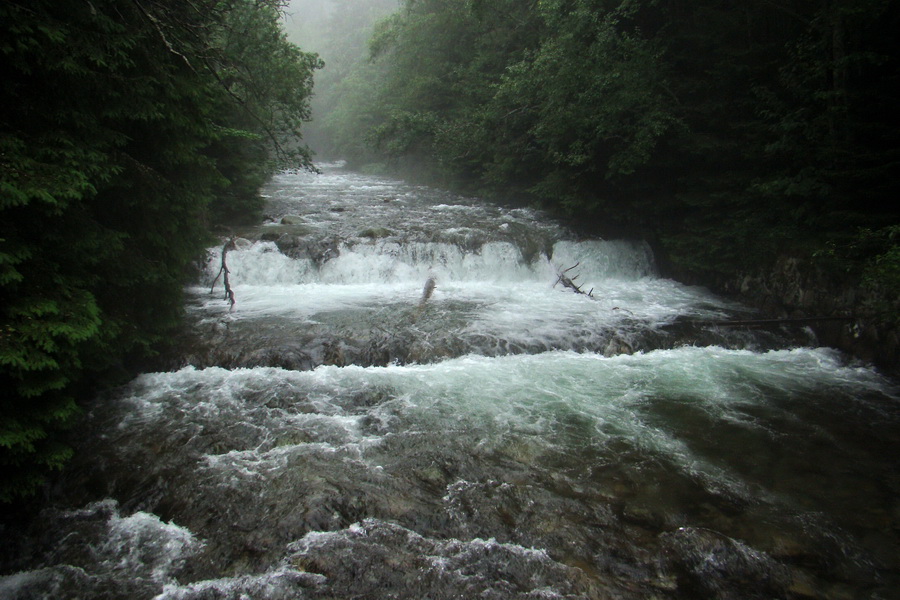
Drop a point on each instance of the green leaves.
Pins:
(730, 132)
(598, 92)
(126, 122)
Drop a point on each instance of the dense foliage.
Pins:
(339, 31)
(128, 127)
(728, 131)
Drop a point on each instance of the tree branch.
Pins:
(157, 25)
(223, 271)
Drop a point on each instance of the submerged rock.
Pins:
(716, 566)
(376, 559)
(376, 233)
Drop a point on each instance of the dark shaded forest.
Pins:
(729, 133)
(129, 128)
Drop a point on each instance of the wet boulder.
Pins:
(713, 565)
(376, 233)
(377, 559)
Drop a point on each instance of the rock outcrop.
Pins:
(799, 288)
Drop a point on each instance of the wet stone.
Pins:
(717, 566)
(376, 233)
(804, 585)
(884, 549)
(379, 559)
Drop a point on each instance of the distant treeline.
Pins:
(728, 131)
(128, 128)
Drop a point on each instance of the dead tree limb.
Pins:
(159, 30)
(223, 272)
(569, 282)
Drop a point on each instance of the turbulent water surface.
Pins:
(406, 402)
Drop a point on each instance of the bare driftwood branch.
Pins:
(569, 282)
(223, 272)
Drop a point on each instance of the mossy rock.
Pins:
(273, 233)
(376, 233)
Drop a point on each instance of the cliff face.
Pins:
(798, 288)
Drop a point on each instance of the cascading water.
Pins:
(405, 402)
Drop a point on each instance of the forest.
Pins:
(727, 133)
(129, 129)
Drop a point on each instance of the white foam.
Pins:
(261, 263)
(598, 260)
(140, 545)
(480, 567)
(537, 396)
(283, 582)
(499, 294)
(142, 541)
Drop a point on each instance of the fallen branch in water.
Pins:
(223, 271)
(569, 282)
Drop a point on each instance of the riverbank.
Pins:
(855, 319)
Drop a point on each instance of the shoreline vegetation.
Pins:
(129, 129)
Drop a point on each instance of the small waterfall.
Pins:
(261, 263)
(489, 298)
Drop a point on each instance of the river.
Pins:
(406, 401)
